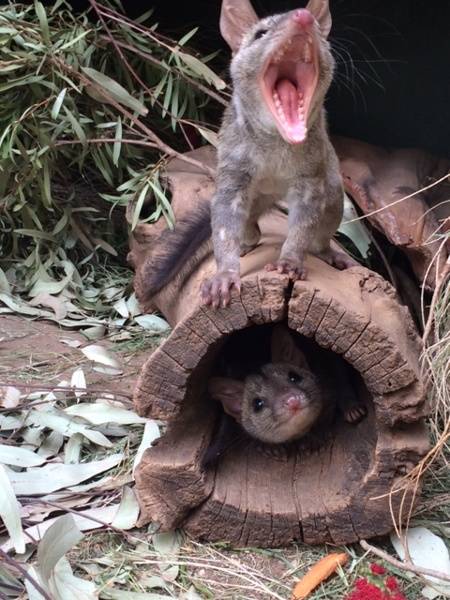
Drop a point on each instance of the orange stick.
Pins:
(319, 572)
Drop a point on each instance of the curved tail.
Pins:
(172, 251)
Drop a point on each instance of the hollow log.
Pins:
(337, 491)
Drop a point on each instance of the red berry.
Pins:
(364, 590)
(391, 583)
(377, 569)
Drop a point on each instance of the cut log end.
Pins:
(335, 492)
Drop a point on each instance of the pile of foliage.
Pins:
(92, 105)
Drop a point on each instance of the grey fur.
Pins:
(257, 168)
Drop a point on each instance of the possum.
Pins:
(286, 398)
(273, 146)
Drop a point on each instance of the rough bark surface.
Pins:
(336, 492)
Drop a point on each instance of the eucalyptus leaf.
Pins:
(102, 412)
(10, 512)
(19, 457)
(115, 90)
(152, 323)
(99, 354)
(128, 512)
(59, 538)
(51, 477)
(151, 433)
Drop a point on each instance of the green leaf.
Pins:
(138, 207)
(78, 130)
(118, 143)
(112, 88)
(42, 16)
(167, 208)
(188, 36)
(58, 103)
(199, 67)
(167, 95)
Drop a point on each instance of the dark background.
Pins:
(398, 91)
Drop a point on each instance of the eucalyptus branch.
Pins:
(152, 59)
(138, 124)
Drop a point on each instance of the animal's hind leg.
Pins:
(336, 257)
(252, 232)
(251, 237)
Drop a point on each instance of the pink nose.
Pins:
(303, 17)
(293, 403)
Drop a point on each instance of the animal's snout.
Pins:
(303, 17)
(293, 403)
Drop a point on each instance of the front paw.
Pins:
(293, 267)
(354, 413)
(217, 290)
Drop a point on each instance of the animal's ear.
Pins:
(236, 18)
(230, 393)
(284, 349)
(321, 11)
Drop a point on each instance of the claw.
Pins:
(355, 414)
(217, 290)
(292, 267)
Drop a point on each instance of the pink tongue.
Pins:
(289, 98)
(287, 93)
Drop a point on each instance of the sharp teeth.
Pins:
(310, 40)
(307, 53)
(276, 100)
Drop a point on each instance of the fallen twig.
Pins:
(16, 565)
(403, 565)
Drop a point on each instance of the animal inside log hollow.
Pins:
(281, 400)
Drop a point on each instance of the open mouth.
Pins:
(288, 84)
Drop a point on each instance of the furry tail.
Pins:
(173, 249)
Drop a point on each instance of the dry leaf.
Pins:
(152, 323)
(105, 514)
(9, 397)
(98, 413)
(151, 433)
(10, 512)
(128, 512)
(426, 550)
(47, 479)
(78, 380)
(99, 354)
(19, 457)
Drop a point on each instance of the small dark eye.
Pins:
(258, 404)
(294, 377)
(259, 34)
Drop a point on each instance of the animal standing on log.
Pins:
(273, 143)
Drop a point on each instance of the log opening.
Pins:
(336, 492)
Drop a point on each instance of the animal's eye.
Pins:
(258, 404)
(259, 34)
(294, 377)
